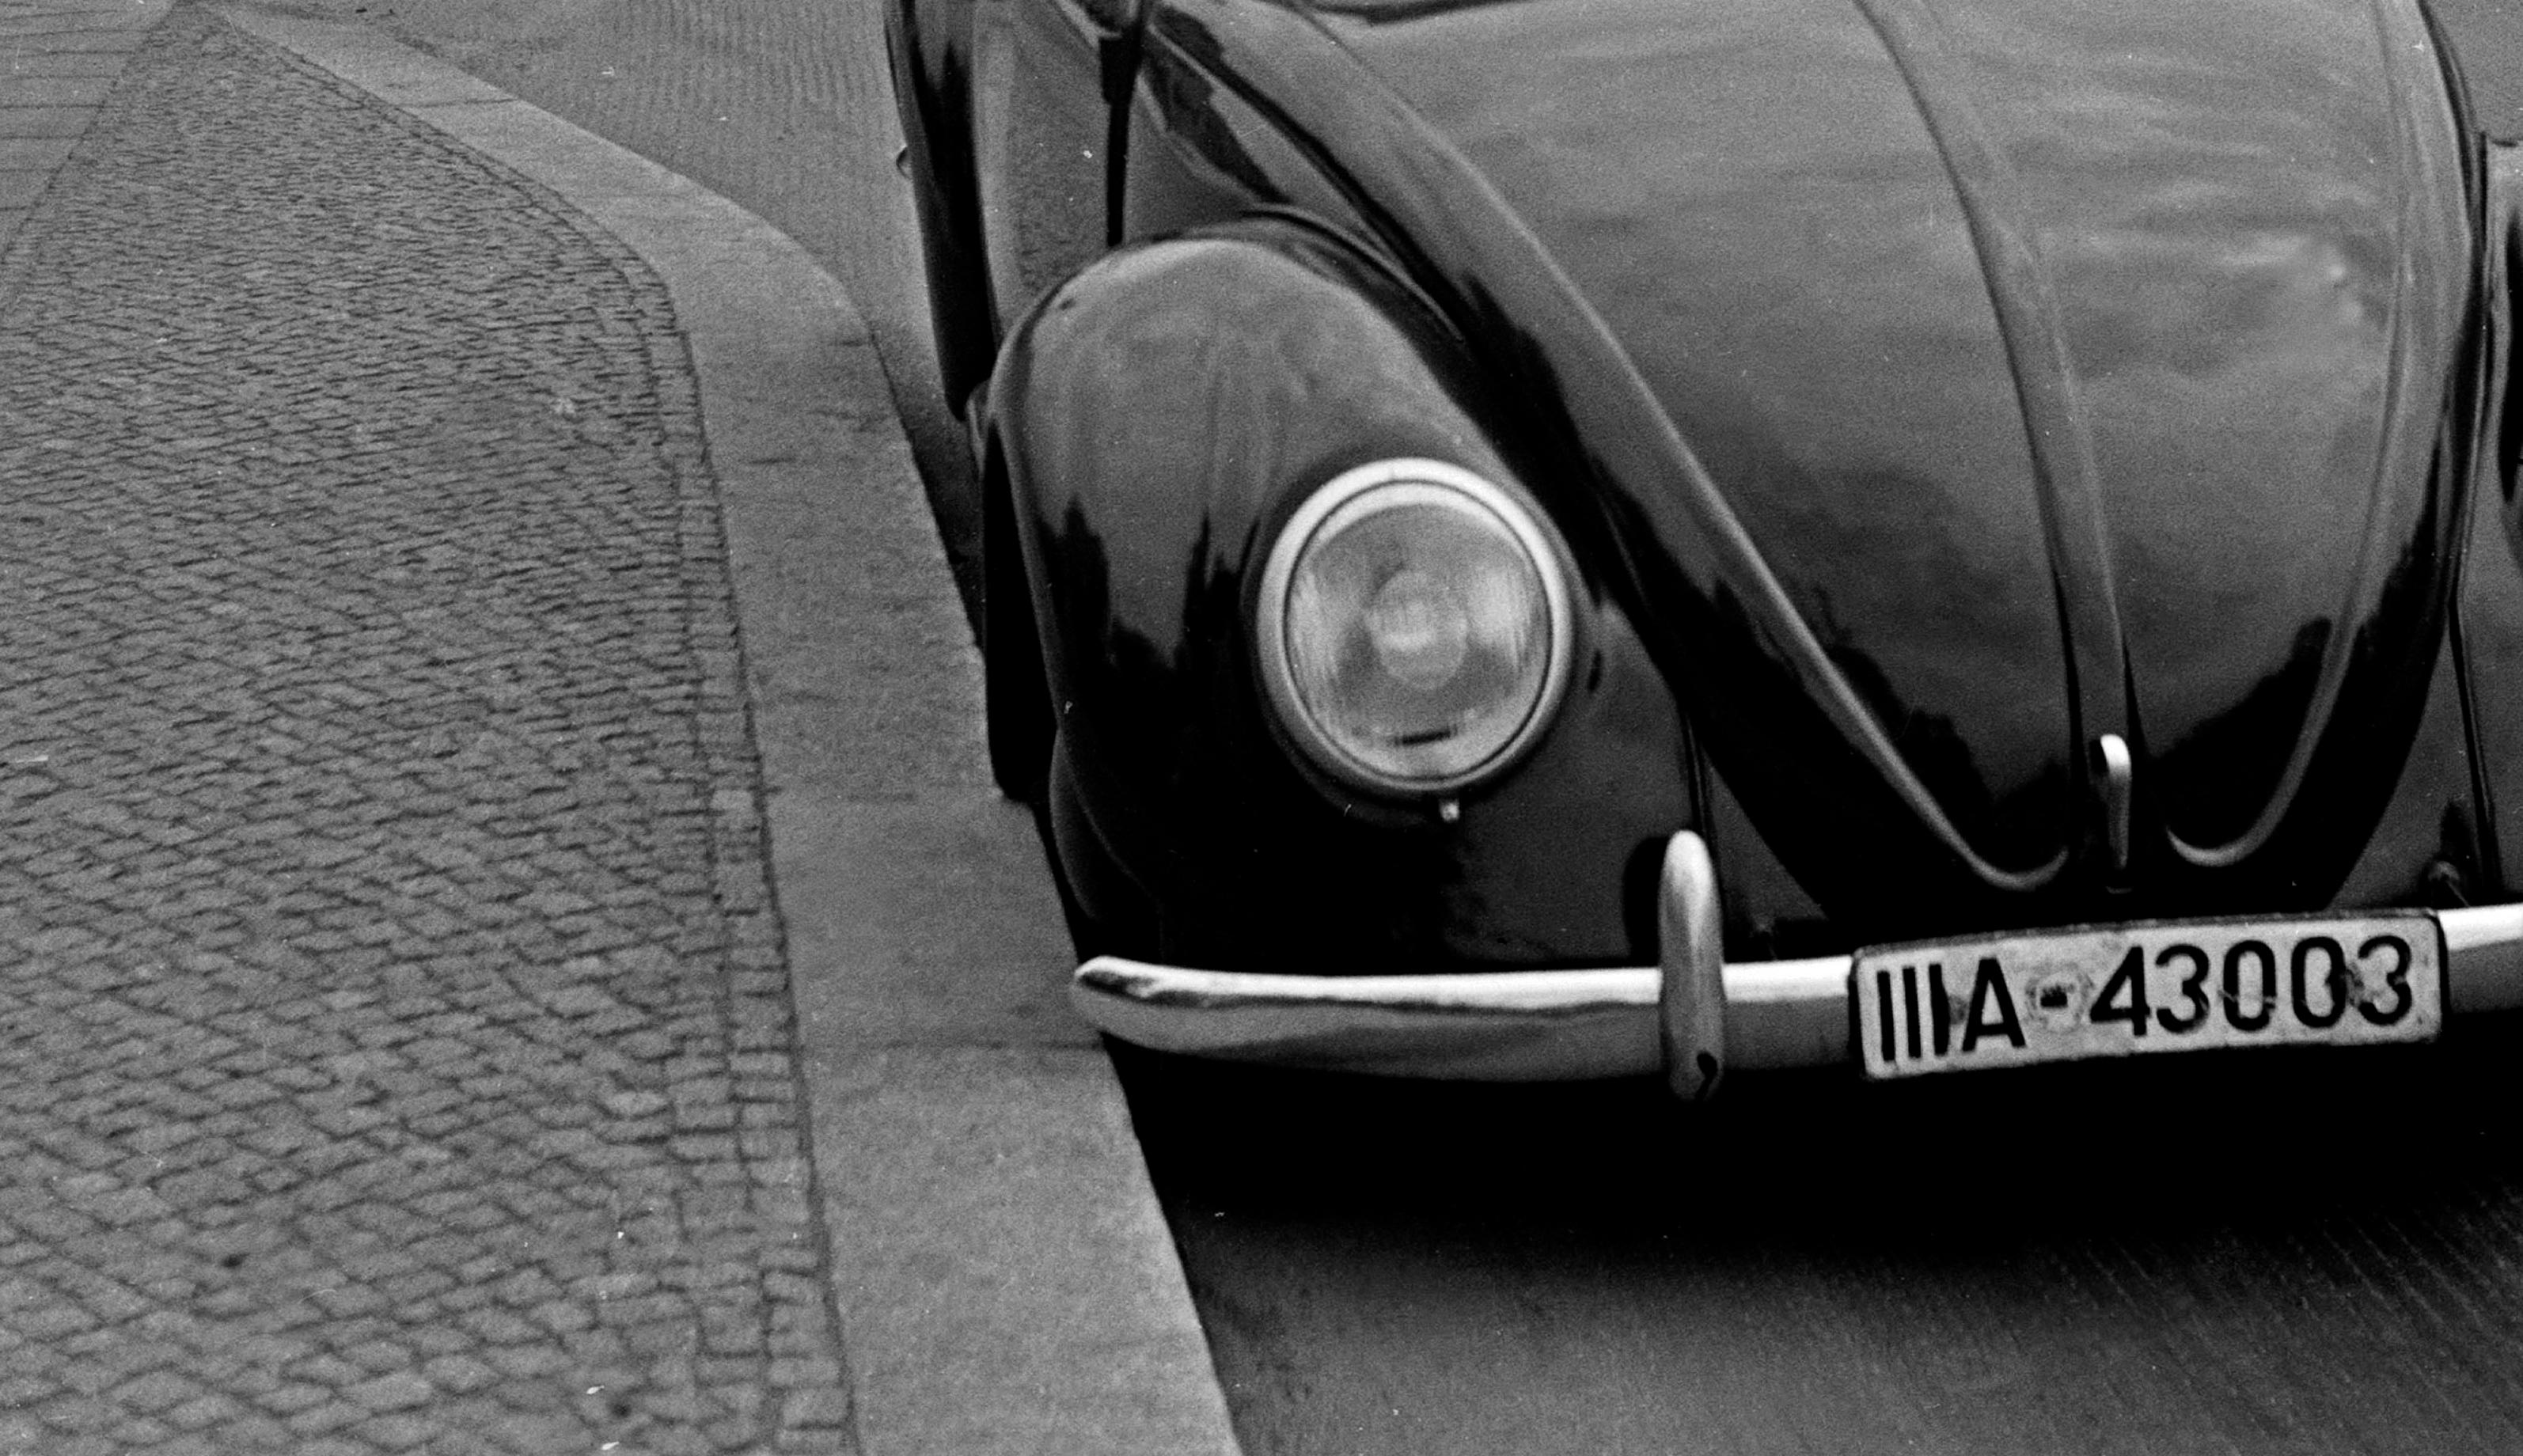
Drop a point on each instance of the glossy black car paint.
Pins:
(1934, 389)
(1264, 353)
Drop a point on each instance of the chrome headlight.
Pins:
(1414, 626)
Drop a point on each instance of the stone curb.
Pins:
(1003, 1279)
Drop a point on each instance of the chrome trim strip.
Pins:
(2484, 957)
(1783, 1013)
(1560, 1025)
(1525, 1025)
(2114, 773)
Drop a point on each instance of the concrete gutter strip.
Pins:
(1003, 1279)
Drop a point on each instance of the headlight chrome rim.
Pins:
(1348, 496)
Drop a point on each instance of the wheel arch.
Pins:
(1161, 414)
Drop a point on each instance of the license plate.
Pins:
(2161, 986)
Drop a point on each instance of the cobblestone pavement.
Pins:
(395, 1044)
(57, 60)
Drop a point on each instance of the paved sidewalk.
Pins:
(57, 60)
(396, 1047)
(398, 1042)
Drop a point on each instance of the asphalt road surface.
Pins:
(2316, 1255)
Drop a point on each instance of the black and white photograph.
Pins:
(1261, 728)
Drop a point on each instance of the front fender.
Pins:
(1160, 415)
(927, 43)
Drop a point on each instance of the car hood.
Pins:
(2062, 371)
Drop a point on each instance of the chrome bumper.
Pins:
(1691, 1018)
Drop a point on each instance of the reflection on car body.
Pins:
(1576, 537)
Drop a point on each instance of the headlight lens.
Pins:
(1414, 626)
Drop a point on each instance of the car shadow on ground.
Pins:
(2164, 1142)
(2298, 1251)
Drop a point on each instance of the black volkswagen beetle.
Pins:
(1581, 537)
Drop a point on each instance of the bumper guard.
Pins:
(1690, 1017)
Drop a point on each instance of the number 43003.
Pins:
(2322, 984)
(2113, 991)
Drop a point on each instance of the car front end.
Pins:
(1795, 534)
